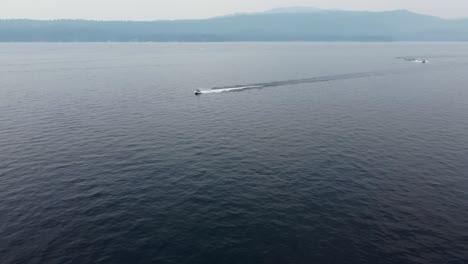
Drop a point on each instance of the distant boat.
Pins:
(413, 59)
(198, 92)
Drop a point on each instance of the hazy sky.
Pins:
(174, 9)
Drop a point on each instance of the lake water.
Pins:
(107, 156)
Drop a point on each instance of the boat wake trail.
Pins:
(238, 88)
(327, 78)
(230, 89)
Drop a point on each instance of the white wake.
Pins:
(230, 89)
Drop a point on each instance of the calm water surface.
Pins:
(106, 156)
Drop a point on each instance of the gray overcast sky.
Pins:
(176, 9)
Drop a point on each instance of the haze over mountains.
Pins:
(283, 24)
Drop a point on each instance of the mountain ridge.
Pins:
(290, 24)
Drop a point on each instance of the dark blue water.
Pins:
(106, 156)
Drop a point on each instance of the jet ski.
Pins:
(198, 92)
